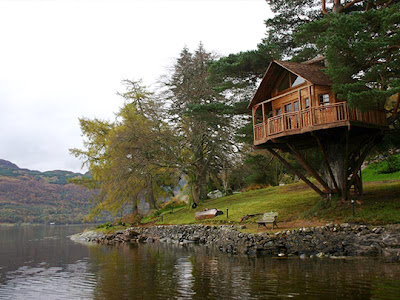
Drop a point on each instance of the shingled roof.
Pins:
(311, 73)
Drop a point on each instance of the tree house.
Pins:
(295, 109)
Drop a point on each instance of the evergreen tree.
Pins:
(362, 51)
(202, 120)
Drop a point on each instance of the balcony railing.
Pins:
(315, 117)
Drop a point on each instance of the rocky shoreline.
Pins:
(332, 240)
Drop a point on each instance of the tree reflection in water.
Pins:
(166, 271)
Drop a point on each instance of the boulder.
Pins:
(215, 194)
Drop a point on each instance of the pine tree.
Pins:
(201, 118)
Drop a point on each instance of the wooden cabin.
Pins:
(294, 99)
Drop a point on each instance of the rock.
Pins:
(87, 236)
(215, 194)
(392, 254)
(327, 241)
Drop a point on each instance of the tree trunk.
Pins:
(195, 193)
(335, 154)
(134, 206)
(151, 199)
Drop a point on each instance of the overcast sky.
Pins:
(64, 59)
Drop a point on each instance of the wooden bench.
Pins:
(269, 217)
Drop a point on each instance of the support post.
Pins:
(301, 176)
(359, 162)
(309, 169)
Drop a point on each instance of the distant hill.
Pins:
(41, 197)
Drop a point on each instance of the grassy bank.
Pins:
(379, 171)
(297, 205)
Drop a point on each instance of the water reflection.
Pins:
(158, 271)
(41, 263)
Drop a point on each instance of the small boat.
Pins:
(208, 214)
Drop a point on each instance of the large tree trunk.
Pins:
(335, 154)
(345, 155)
(195, 193)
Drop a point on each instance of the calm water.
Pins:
(42, 263)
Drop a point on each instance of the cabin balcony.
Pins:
(316, 118)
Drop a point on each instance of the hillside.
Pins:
(297, 206)
(41, 197)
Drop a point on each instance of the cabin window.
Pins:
(278, 112)
(324, 99)
(296, 106)
(298, 80)
(307, 103)
(288, 108)
(289, 80)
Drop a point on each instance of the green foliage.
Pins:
(362, 49)
(388, 169)
(131, 158)
(106, 225)
(260, 170)
(243, 70)
(288, 17)
(203, 120)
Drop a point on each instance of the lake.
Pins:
(41, 262)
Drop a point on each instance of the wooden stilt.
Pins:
(328, 167)
(309, 169)
(360, 160)
(301, 176)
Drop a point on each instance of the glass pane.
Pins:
(278, 112)
(324, 99)
(296, 106)
(307, 103)
(299, 80)
(288, 108)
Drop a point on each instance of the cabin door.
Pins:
(288, 116)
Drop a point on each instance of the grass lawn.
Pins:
(297, 206)
(373, 172)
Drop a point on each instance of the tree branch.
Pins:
(351, 4)
(324, 7)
